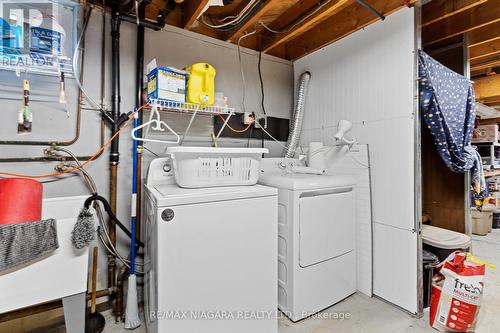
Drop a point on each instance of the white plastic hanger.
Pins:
(157, 125)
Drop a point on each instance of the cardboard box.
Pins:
(167, 84)
(485, 133)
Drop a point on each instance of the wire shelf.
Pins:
(193, 109)
(163, 105)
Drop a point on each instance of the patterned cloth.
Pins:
(448, 106)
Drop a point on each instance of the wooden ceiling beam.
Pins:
(324, 13)
(490, 100)
(485, 50)
(485, 65)
(486, 34)
(252, 21)
(438, 10)
(487, 87)
(347, 21)
(474, 18)
(191, 10)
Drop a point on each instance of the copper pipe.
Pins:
(100, 293)
(111, 223)
(119, 293)
(57, 143)
(78, 118)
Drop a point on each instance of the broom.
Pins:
(132, 319)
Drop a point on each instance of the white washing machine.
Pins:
(316, 238)
(210, 256)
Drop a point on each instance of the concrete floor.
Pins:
(374, 315)
(366, 314)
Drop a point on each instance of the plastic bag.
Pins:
(457, 289)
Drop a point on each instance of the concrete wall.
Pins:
(172, 47)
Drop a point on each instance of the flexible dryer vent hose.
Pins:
(298, 115)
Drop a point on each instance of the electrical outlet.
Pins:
(260, 120)
(248, 118)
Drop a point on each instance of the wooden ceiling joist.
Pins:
(486, 34)
(487, 87)
(474, 18)
(485, 50)
(490, 100)
(191, 10)
(324, 13)
(347, 21)
(438, 10)
(485, 65)
(252, 21)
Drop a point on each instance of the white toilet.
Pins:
(443, 242)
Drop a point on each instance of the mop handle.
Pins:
(133, 204)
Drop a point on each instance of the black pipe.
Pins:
(114, 155)
(371, 9)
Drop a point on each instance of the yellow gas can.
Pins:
(201, 84)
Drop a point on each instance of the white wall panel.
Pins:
(356, 163)
(394, 266)
(368, 78)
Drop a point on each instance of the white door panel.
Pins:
(327, 226)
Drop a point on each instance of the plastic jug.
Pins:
(201, 84)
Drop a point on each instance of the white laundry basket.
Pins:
(207, 166)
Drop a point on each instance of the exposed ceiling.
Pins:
(304, 25)
(477, 22)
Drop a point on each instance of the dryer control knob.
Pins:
(167, 215)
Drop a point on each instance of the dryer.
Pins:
(210, 256)
(316, 237)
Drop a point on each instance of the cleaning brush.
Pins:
(84, 230)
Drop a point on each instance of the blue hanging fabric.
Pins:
(448, 107)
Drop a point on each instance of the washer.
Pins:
(210, 256)
(316, 238)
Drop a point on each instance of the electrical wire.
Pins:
(93, 157)
(237, 130)
(242, 15)
(149, 150)
(304, 18)
(327, 149)
(241, 66)
(272, 137)
(259, 67)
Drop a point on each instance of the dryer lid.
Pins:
(296, 181)
(443, 238)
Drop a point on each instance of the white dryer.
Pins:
(316, 238)
(210, 256)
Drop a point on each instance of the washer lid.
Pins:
(299, 181)
(172, 195)
(443, 238)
